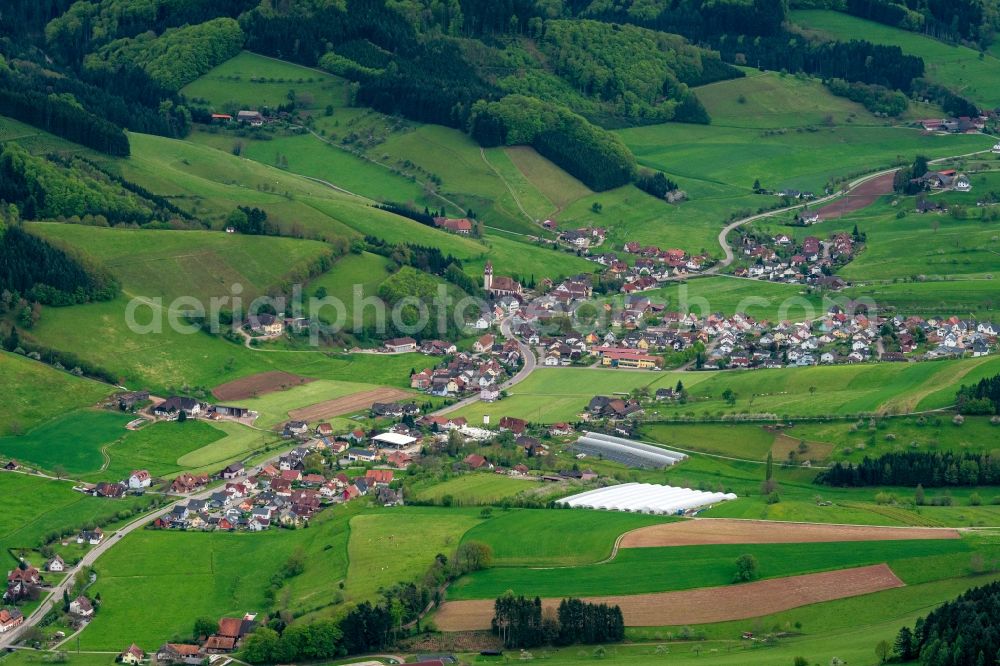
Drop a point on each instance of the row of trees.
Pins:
(957, 633)
(983, 397)
(875, 98)
(912, 468)
(521, 622)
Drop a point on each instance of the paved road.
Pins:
(530, 362)
(110, 540)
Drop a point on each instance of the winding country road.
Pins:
(530, 362)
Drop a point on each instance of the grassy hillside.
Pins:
(772, 100)
(804, 158)
(38, 392)
(36, 507)
(956, 67)
(203, 264)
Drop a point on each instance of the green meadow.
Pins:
(774, 100)
(37, 507)
(551, 395)
(642, 570)
(202, 264)
(38, 392)
(474, 489)
(547, 538)
(72, 441)
(957, 67)
(805, 158)
(274, 407)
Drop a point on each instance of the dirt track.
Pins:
(716, 531)
(348, 404)
(709, 604)
(259, 384)
(862, 196)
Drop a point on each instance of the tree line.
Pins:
(983, 397)
(522, 623)
(367, 627)
(912, 468)
(961, 632)
(957, 21)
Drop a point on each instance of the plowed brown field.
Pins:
(861, 197)
(714, 531)
(708, 604)
(348, 404)
(259, 384)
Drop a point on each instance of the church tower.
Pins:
(488, 276)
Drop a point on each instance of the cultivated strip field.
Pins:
(259, 384)
(715, 531)
(861, 197)
(710, 604)
(348, 404)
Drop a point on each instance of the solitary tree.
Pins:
(746, 568)
(882, 651)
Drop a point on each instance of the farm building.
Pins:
(645, 498)
(625, 451)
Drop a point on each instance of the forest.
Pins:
(982, 397)
(913, 468)
(43, 273)
(957, 633)
(49, 188)
(962, 20)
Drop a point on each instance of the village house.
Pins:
(81, 607)
(461, 226)
(132, 655)
(173, 405)
(139, 479)
(56, 564)
(266, 324)
(10, 618)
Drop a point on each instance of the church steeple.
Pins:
(488, 276)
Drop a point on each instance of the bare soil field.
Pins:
(717, 531)
(708, 604)
(257, 385)
(347, 404)
(862, 197)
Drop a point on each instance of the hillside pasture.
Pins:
(38, 507)
(37, 392)
(202, 264)
(736, 156)
(398, 545)
(252, 81)
(73, 441)
(772, 100)
(970, 73)
(714, 604)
